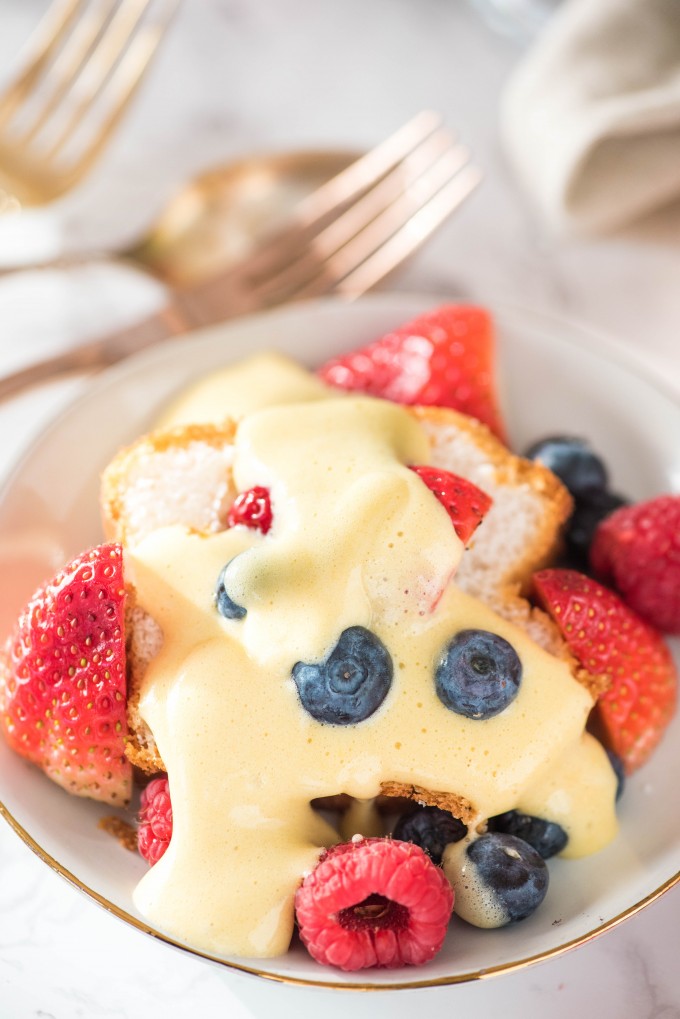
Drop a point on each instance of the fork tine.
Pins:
(122, 85)
(68, 66)
(95, 73)
(44, 43)
(334, 261)
(434, 160)
(339, 192)
(411, 235)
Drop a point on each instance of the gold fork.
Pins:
(85, 64)
(343, 239)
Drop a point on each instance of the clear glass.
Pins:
(520, 19)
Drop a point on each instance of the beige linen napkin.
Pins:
(591, 117)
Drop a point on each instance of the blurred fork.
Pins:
(342, 239)
(85, 63)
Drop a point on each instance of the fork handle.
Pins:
(99, 353)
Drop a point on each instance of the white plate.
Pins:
(556, 378)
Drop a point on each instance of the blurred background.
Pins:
(234, 78)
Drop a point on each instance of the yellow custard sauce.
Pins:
(357, 540)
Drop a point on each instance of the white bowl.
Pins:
(556, 378)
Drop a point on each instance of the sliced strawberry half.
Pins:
(62, 679)
(466, 504)
(609, 639)
(444, 358)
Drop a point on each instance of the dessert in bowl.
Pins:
(402, 766)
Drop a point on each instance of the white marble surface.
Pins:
(237, 77)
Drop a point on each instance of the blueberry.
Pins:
(617, 767)
(508, 876)
(430, 828)
(573, 461)
(478, 675)
(351, 683)
(224, 604)
(546, 837)
(590, 510)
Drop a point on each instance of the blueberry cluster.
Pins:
(585, 475)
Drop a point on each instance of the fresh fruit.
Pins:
(444, 358)
(617, 768)
(611, 640)
(478, 675)
(253, 509)
(546, 837)
(374, 902)
(155, 820)
(498, 879)
(62, 679)
(638, 549)
(351, 683)
(466, 504)
(226, 607)
(430, 828)
(589, 511)
(574, 462)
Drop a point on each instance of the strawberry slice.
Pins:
(466, 504)
(62, 679)
(637, 549)
(609, 639)
(444, 358)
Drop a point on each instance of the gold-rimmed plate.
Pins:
(556, 378)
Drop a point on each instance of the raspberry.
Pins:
(374, 902)
(638, 549)
(253, 509)
(155, 820)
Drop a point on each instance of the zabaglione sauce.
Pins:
(357, 540)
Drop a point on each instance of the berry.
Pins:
(351, 683)
(430, 828)
(466, 504)
(638, 549)
(253, 509)
(62, 679)
(573, 461)
(224, 604)
(590, 510)
(610, 640)
(444, 358)
(478, 675)
(499, 879)
(617, 768)
(546, 837)
(374, 902)
(155, 820)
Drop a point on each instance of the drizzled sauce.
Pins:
(357, 539)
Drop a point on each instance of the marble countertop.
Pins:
(236, 78)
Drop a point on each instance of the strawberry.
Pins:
(444, 358)
(62, 679)
(637, 549)
(609, 639)
(464, 502)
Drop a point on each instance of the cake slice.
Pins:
(182, 475)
